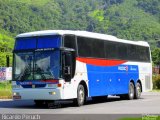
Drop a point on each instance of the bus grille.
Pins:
(34, 86)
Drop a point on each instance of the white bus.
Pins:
(62, 64)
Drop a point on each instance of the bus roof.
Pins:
(83, 34)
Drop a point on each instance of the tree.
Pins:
(156, 56)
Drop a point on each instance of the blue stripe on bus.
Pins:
(110, 80)
(40, 42)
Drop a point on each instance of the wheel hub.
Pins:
(138, 90)
(81, 95)
(131, 92)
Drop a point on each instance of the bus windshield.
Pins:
(39, 65)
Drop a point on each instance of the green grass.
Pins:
(149, 117)
(5, 85)
(5, 94)
(155, 90)
(5, 90)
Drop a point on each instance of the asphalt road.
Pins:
(148, 104)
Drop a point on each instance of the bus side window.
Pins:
(70, 41)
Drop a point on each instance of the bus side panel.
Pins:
(107, 80)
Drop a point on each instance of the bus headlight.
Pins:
(15, 94)
(52, 93)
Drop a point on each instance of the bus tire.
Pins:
(131, 92)
(138, 90)
(81, 97)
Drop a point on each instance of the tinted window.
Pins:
(25, 43)
(39, 42)
(98, 48)
(143, 53)
(132, 53)
(111, 50)
(49, 41)
(115, 50)
(70, 41)
(88, 47)
(122, 51)
(84, 47)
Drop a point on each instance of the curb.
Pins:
(151, 93)
(5, 98)
(1, 100)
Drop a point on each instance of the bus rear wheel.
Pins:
(81, 96)
(130, 94)
(138, 91)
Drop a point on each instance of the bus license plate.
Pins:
(17, 97)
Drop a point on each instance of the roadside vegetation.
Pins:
(156, 83)
(126, 19)
(5, 90)
(156, 63)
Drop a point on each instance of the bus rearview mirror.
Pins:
(67, 70)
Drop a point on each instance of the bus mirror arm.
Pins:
(67, 70)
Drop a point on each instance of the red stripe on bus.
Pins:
(101, 62)
(50, 81)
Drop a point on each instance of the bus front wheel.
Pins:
(80, 100)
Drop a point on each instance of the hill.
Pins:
(126, 19)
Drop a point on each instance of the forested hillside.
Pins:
(126, 19)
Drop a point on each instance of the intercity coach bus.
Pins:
(55, 65)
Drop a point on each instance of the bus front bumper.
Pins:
(37, 94)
